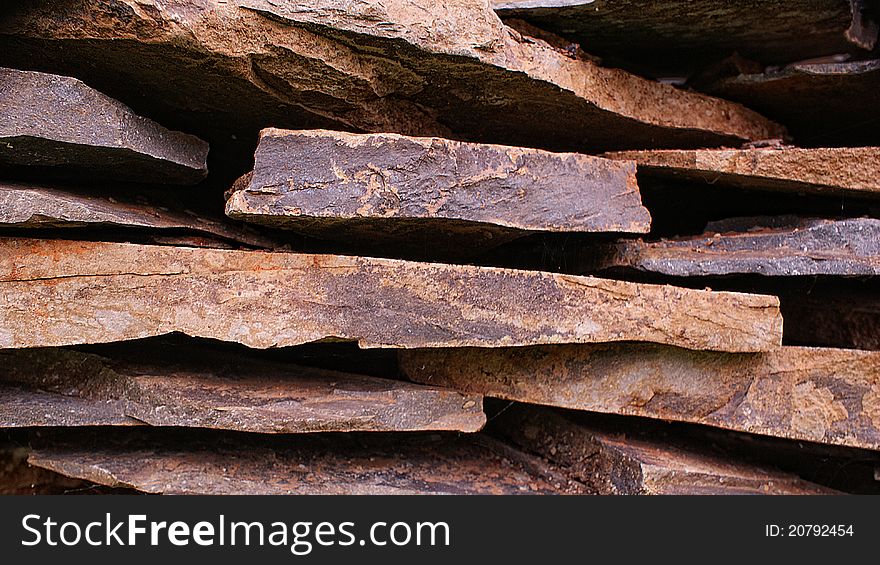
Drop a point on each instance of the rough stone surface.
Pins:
(417, 463)
(628, 461)
(778, 247)
(678, 37)
(58, 387)
(64, 293)
(59, 125)
(836, 102)
(813, 394)
(410, 66)
(388, 188)
(830, 171)
(32, 206)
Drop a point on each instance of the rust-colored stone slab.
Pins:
(822, 104)
(59, 125)
(823, 395)
(852, 171)
(628, 461)
(64, 293)
(415, 463)
(415, 67)
(675, 38)
(58, 387)
(777, 247)
(31, 206)
(391, 188)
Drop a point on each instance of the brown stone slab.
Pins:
(822, 104)
(63, 293)
(678, 37)
(814, 394)
(415, 463)
(17, 477)
(41, 207)
(401, 189)
(629, 461)
(777, 247)
(831, 171)
(409, 66)
(59, 125)
(58, 387)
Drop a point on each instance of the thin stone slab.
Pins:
(64, 293)
(853, 171)
(418, 463)
(391, 188)
(822, 104)
(414, 67)
(775, 247)
(813, 394)
(628, 460)
(28, 206)
(58, 125)
(59, 387)
(675, 38)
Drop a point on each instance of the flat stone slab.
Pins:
(164, 462)
(629, 461)
(391, 188)
(853, 171)
(64, 293)
(28, 206)
(58, 125)
(812, 394)
(822, 104)
(414, 67)
(60, 387)
(678, 37)
(776, 247)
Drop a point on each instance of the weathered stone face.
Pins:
(775, 247)
(166, 462)
(85, 292)
(850, 171)
(677, 38)
(812, 394)
(390, 189)
(450, 69)
(628, 460)
(836, 102)
(59, 387)
(57, 125)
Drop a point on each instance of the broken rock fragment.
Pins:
(59, 126)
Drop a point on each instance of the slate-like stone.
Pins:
(628, 460)
(774, 247)
(59, 126)
(391, 189)
(414, 67)
(851, 171)
(63, 293)
(59, 387)
(676, 38)
(813, 394)
(164, 462)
